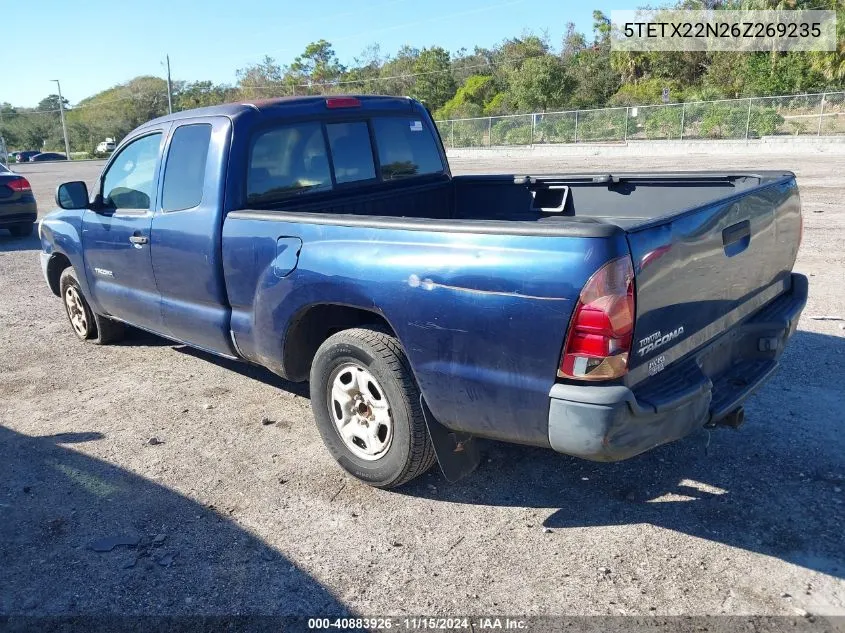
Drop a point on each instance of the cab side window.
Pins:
(184, 172)
(129, 182)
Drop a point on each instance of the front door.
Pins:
(116, 236)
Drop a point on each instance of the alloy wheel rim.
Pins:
(360, 411)
(76, 311)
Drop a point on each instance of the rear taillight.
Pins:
(19, 184)
(602, 326)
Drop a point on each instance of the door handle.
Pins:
(736, 232)
(736, 238)
(138, 239)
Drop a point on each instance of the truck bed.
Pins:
(626, 200)
(559, 204)
(497, 279)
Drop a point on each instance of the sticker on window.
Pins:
(416, 126)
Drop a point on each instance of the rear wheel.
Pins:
(86, 325)
(367, 406)
(21, 230)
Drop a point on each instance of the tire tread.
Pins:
(387, 347)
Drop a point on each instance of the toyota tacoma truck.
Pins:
(325, 238)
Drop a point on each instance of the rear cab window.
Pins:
(352, 153)
(300, 159)
(288, 161)
(406, 148)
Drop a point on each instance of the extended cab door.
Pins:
(116, 236)
(186, 234)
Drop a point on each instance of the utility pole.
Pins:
(62, 115)
(169, 89)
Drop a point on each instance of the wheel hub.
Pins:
(360, 411)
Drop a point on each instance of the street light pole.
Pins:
(169, 89)
(62, 114)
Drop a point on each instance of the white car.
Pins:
(106, 146)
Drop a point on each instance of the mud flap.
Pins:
(457, 453)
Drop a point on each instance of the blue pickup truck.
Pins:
(325, 238)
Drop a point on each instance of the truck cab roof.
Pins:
(295, 107)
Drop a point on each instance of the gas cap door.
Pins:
(287, 256)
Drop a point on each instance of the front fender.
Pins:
(61, 234)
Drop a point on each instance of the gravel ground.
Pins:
(225, 514)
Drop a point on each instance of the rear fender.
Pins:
(481, 318)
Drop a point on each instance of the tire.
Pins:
(22, 230)
(84, 322)
(373, 358)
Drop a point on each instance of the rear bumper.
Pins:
(17, 213)
(614, 422)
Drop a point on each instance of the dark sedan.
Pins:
(24, 156)
(17, 203)
(47, 156)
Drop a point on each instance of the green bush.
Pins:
(511, 131)
(466, 133)
(724, 121)
(764, 122)
(646, 92)
(731, 120)
(607, 125)
(657, 123)
(555, 128)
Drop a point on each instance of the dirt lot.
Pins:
(229, 515)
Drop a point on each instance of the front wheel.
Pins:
(85, 323)
(367, 406)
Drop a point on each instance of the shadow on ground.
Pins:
(59, 505)
(774, 487)
(142, 338)
(10, 244)
(254, 372)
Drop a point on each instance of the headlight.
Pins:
(40, 237)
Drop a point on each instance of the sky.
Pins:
(97, 44)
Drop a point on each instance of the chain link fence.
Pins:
(820, 114)
(797, 115)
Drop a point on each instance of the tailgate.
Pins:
(699, 272)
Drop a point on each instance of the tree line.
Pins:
(530, 73)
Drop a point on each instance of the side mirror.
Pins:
(72, 195)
